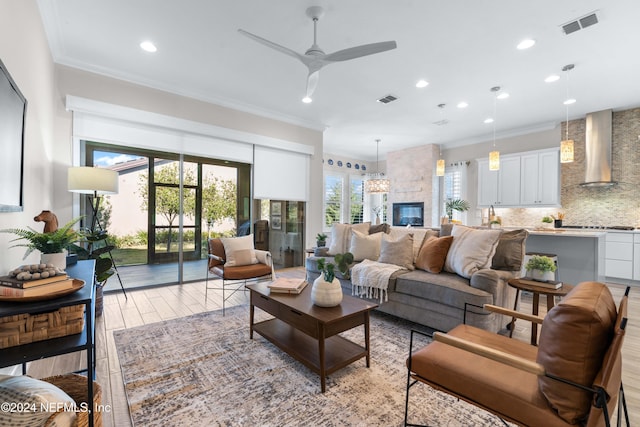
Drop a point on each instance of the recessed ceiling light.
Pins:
(569, 101)
(552, 78)
(526, 44)
(503, 95)
(307, 100)
(422, 83)
(488, 120)
(462, 105)
(148, 46)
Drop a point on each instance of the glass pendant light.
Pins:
(567, 145)
(377, 183)
(494, 156)
(440, 162)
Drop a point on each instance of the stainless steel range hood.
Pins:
(598, 149)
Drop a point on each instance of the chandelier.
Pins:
(376, 182)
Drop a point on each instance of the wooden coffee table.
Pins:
(309, 333)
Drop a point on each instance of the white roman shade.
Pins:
(281, 168)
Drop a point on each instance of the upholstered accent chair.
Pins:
(233, 262)
(573, 377)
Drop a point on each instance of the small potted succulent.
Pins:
(541, 268)
(326, 290)
(547, 221)
(321, 240)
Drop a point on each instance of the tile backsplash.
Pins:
(616, 205)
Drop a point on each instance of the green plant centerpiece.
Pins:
(52, 242)
(541, 267)
(326, 290)
(459, 205)
(321, 239)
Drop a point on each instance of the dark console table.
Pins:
(85, 340)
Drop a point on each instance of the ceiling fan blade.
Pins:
(359, 51)
(273, 45)
(312, 82)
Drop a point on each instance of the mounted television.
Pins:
(408, 214)
(13, 108)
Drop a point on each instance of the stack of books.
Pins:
(549, 284)
(285, 285)
(12, 287)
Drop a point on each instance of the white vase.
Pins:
(58, 260)
(543, 276)
(326, 294)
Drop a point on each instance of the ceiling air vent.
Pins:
(580, 23)
(441, 122)
(387, 99)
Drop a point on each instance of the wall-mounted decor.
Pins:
(276, 222)
(13, 108)
(276, 208)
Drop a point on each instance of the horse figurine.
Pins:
(50, 221)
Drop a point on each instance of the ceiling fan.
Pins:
(315, 58)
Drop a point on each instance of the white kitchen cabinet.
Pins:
(499, 188)
(619, 255)
(636, 256)
(540, 178)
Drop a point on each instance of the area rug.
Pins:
(204, 370)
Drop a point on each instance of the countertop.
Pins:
(566, 232)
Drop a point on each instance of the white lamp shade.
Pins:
(90, 180)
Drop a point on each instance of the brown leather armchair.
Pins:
(234, 278)
(573, 377)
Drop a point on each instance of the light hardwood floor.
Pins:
(145, 306)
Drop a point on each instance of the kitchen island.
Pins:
(581, 254)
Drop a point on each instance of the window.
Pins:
(454, 186)
(356, 205)
(332, 199)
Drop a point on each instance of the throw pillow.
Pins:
(471, 250)
(433, 253)
(510, 250)
(398, 252)
(418, 234)
(37, 394)
(239, 251)
(365, 246)
(445, 229)
(341, 236)
(380, 228)
(574, 338)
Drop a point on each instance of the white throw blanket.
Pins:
(370, 279)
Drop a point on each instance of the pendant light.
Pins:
(494, 156)
(377, 183)
(567, 145)
(440, 162)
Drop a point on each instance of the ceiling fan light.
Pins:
(526, 44)
(566, 151)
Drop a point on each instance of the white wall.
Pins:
(25, 53)
(48, 152)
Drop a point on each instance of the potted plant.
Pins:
(326, 290)
(51, 244)
(547, 221)
(459, 205)
(321, 239)
(541, 268)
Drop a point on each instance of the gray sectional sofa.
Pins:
(438, 300)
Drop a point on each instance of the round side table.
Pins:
(536, 291)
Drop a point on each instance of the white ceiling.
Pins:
(463, 48)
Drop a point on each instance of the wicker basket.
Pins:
(27, 328)
(76, 387)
